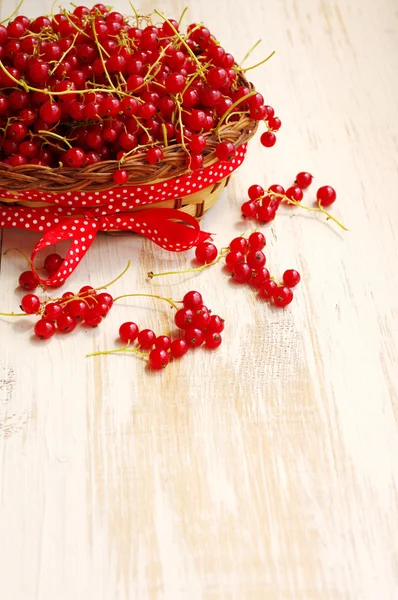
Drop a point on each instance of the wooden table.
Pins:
(266, 470)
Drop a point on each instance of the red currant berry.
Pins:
(201, 318)
(178, 348)
(266, 213)
(259, 276)
(194, 337)
(326, 195)
(28, 281)
(277, 189)
(50, 112)
(255, 258)
(256, 240)
(304, 180)
(128, 332)
(44, 329)
(216, 77)
(294, 193)
(30, 304)
(241, 272)
(255, 192)
(87, 290)
(268, 139)
(274, 123)
(197, 143)
(68, 295)
(249, 209)
(52, 263)
(206, 253)
(77, 309)
(283, 296)
(193, 300)
(216, 324)
(154, 156)
(53, 311)
(239, 244)
(194, 161)
(270, 112)
(120, 177)
(146, 339)
(163, 342)
(268, 289)
(183, 318)
(74, 158)
(225, 151)
(213, 340)
(158, 359)
(175, 83)
(104, 298)
(66, 323)
(291, 277)
(92, 317)
(233, 258)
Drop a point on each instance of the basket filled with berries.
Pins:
(112, 123)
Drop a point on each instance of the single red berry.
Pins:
(146, 339)
(295, 193)
(283, 296)
(77, 309)
(233, 258)
(92, 317)
(206, 253)
(44, 329)
(74, 158)
(197, 143)
(128, 332)
(274, 123)
(213, 340)
(255, 258)
(291, 277)
(28, 281)
(183, 318)
(266, 213)
(104, 298)
(256, 240)
(326, 195)
(216, 77)
(52, 263)
(66, 323)
(249, 209)
(277, 189)
(225, 151)
(53, 311)
(241, 272)
(201, 318)
(158, 359)
(194, 337)
(154, 156)
(268, 139)
(194, 161)
(178, 348)
(163, 342)
(255, 192)
(68, 295)
(50, 112)
(175, 83)
(216, 324)
(303, 180)
(193, 300)
(87, 290)
(270, 112)
(30, 304)
(259, 276)
(268, 289)
(239, 244)
(120, 177)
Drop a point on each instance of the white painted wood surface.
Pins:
(265, 470)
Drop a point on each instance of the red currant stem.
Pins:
(181, 127)
(66, 15)
(223, 253)
(19, 252)
(182, 16)
(234, 105)
(14, 314)
(260, 63)
(164, 132)
(249, 52)
(63, 56)
(156, 63)
(101, 50)
(14, 13)
(176, 33)
(310, 208)
(103, 287)
(44, 133)
(136, 14)
(195, 75)
(123, 349)
(168, 300)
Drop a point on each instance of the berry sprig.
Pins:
(90, 85)
(263, 205)
(28, 279)
(195, 321)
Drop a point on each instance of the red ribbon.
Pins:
(79, 218)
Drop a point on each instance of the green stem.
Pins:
(14, 315)
(192, 55)
(12, 14)
(168, 300)
(44, 133)
(234, 105)
(249, 52)
(182, 16)
(223, 253)
(103, 287)
(123, 349)
(260, 63)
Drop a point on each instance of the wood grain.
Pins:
(266, 470)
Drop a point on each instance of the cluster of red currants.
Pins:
(246, 261)
(264, 205)
(63, 314)
(91, 85)
(194, 319)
